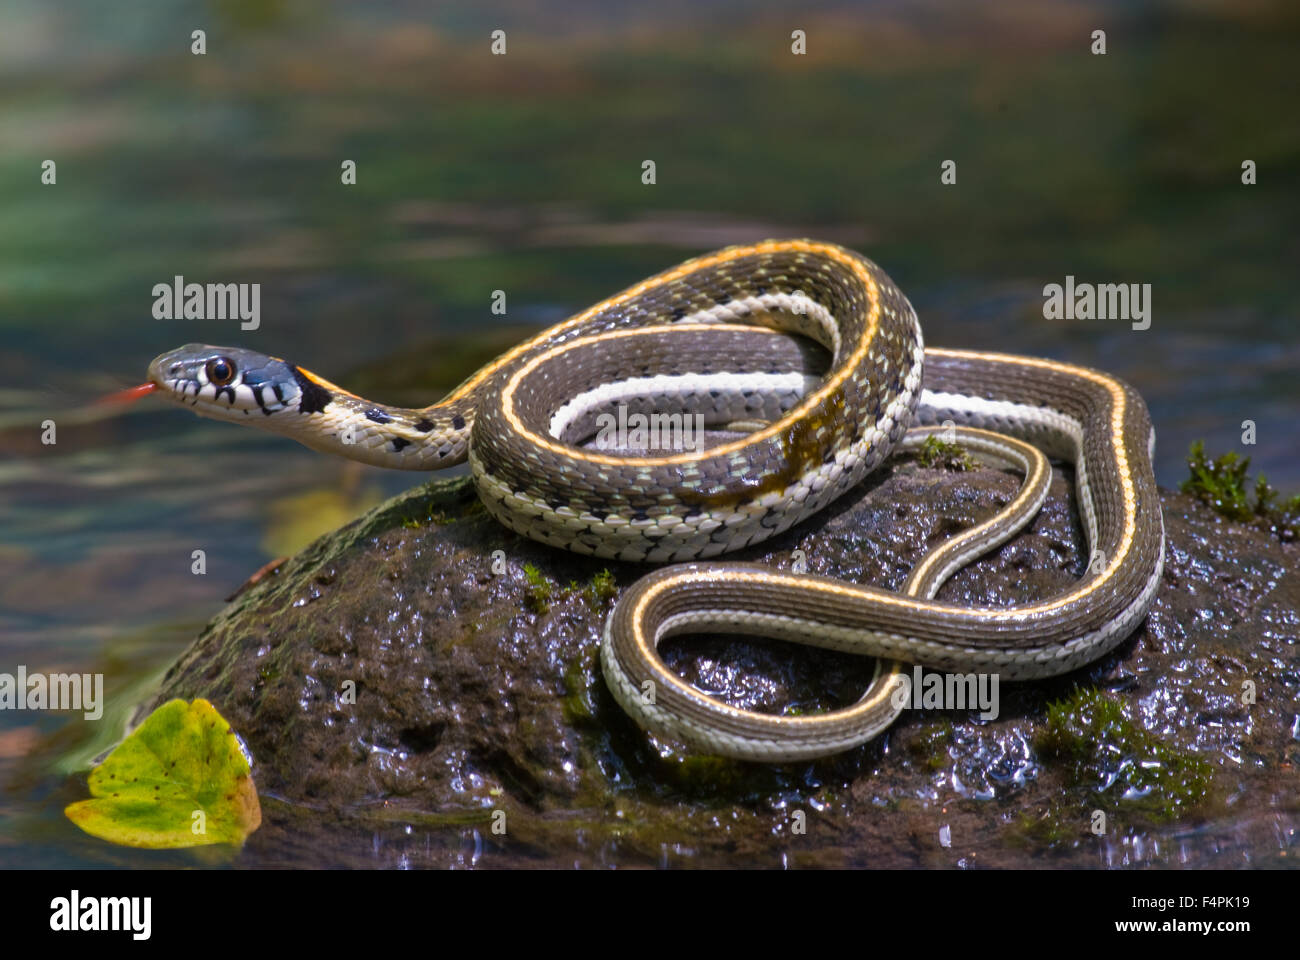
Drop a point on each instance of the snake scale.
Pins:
(726, 337)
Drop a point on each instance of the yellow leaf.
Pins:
(180, 780)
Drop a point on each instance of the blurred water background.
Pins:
(523, 173)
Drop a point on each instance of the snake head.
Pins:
(227, 383)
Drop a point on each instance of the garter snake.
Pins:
(725, 336)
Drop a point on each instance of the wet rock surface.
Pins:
(406, 705)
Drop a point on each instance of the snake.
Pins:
(808, 365)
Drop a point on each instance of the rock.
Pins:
(404, 705)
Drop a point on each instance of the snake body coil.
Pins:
(711, 338)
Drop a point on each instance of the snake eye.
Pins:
(220, 371)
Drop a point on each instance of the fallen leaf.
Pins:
(180, 780)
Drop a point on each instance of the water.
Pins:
(523, 174)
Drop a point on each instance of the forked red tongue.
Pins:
(130, 395)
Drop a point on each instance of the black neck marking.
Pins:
(315, 398)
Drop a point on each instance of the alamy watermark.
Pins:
(53, 691)
(179, 300)
(75, 913)
(1100, 301)
(949, 691)
(654, 431)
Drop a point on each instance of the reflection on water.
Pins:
(523, 174)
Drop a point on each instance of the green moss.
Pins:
(1051, 828)
(706, 775)
(413, 517)
(438, 502)
(579, 702)
(1225, 486)
(601, 589)
(930, 744)
(940, 454)
(541, 591)
(1112, 764)
(1220, 483)
(1091, 740)
(451, 818)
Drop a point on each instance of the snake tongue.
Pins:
(130, 395)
